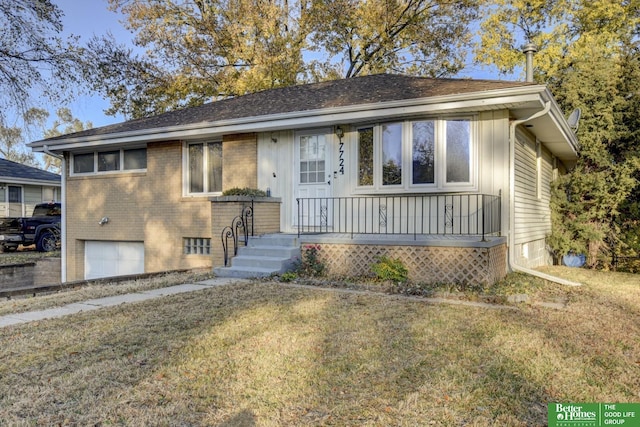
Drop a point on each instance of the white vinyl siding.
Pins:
(50, 194)
(32, 196)
(532, 193)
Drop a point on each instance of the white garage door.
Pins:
(108, 259)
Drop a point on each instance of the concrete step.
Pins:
(285, 240)
(242, 272)
(258, 261)
(263, 256)
(271, 251)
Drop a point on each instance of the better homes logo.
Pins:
(566, 415)
(593, 414)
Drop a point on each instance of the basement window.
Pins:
(196, 246)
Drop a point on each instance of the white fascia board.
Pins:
(561, 122)
(24, 181)
(466, 102)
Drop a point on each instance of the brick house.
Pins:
(450, 175)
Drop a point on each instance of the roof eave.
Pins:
(562, 124)
(494, 99)
(27, 181)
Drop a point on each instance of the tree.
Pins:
(198, 51)
(582, 50)
(12, 138)
(33, 58)
(201, 50)
(64, 124)
(422, 37)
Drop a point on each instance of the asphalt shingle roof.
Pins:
(331, 94)
(11, 170)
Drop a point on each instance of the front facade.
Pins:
(433, 171)
(22, 187)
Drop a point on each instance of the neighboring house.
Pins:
(22, 187)
(452, 176)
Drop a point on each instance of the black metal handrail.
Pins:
(420, 214)
(242, 222)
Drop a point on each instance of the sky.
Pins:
(86, 18)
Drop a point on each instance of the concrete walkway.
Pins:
(95, 304)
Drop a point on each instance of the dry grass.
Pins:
(267, 355)
(66, 296)
(25, 255)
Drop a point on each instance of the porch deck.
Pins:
(452, 259)
(420, 216)
(447, 240)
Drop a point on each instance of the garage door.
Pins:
(108, 259)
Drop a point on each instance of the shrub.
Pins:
(253, 192)
(389, 269)
(289, 276)
(310, 265)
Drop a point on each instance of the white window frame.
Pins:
(440, 158)
(95, 170)
(186, 173)
(539, 171)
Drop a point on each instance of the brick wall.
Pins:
(266, 219)
(16, 276)
(43, 272)
(240, 157)
(150, 207)
(47, 272)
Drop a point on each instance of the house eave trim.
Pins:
(561, 123)
(23, 181)
(504, 98)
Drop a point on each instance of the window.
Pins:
(15, 194)
(83, 163)
(458, 151)
(435, 153)
(312, 155)
(196, 246)
(135, 159)
(205, 167)
(110, 161)
(423, 149)
(365, 156)
(392, 154)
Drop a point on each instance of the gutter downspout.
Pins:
(63, 222)
(512, 206)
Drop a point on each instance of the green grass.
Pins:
(266, 354)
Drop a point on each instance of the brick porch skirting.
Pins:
(426, 264)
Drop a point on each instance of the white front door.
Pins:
(313, 180)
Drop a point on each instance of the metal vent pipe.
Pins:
(529, 49)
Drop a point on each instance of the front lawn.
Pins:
(265, 354)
